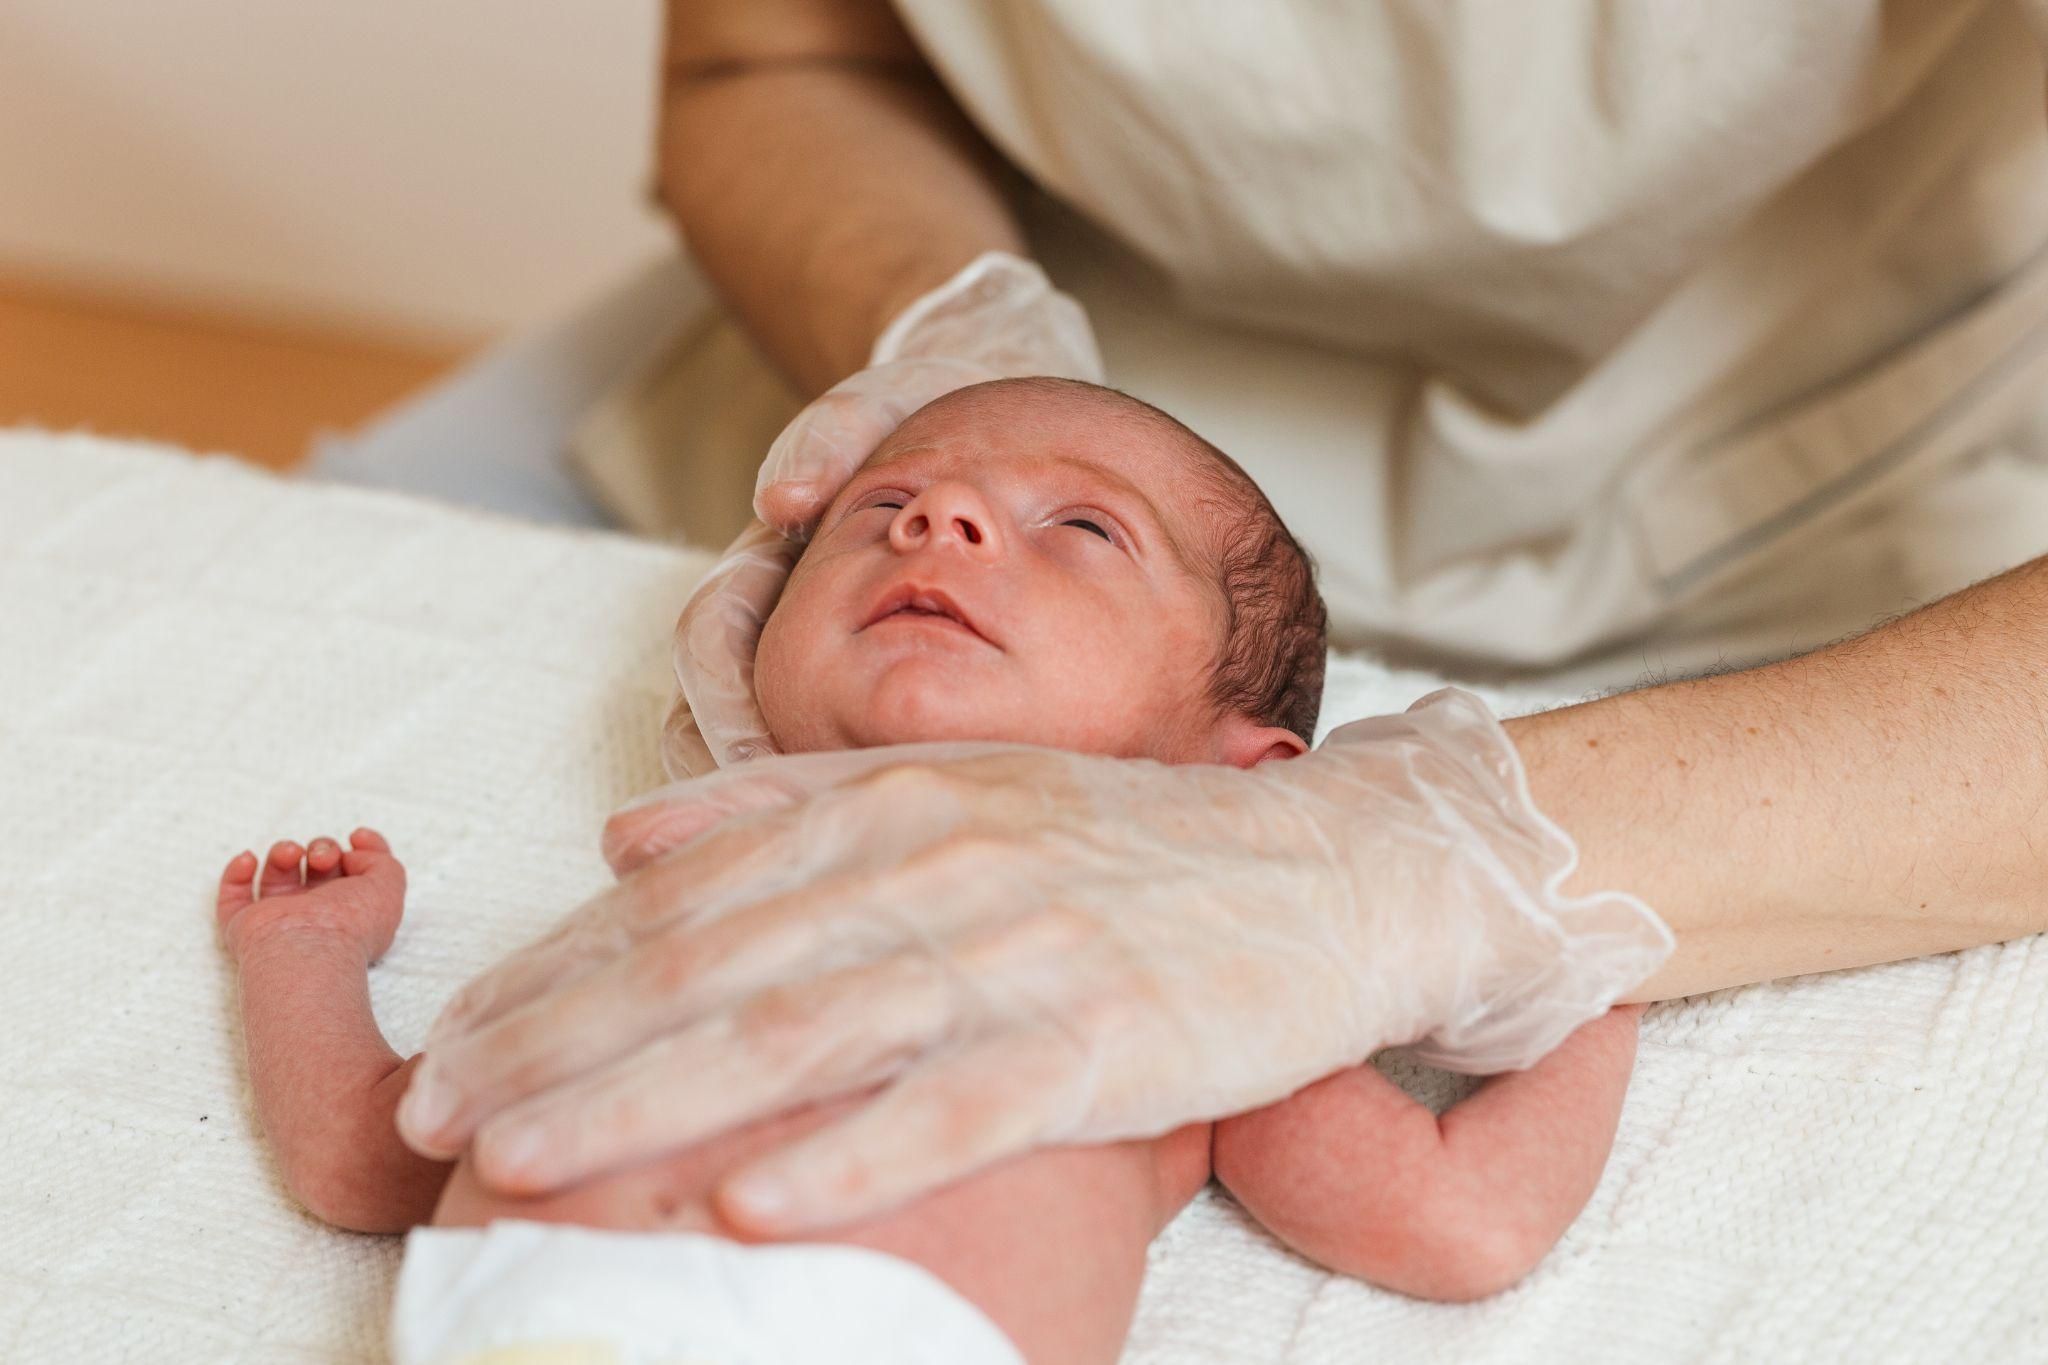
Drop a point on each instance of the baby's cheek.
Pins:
(1103, 697)
(791, 686)
(774, 670)
(1180, 708)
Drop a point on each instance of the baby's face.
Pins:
(1007, 566)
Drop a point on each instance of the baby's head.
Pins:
(1042, 561)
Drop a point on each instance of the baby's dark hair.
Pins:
(1276, 628)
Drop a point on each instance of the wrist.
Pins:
(905, 310)
(1000, 312)
(847, 320)
(1528, 961)
(261, 934)
(897, 301)
(1644, 814)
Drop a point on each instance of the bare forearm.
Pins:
(820, 172)
(1878, 799)
(327, 1086)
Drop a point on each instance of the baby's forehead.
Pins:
(1023, 415)
(1073, 428)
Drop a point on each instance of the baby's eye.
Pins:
(1086, 524)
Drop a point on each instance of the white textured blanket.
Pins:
(195, 657)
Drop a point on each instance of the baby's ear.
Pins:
(1244, 743)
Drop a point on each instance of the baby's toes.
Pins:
(281, 869)
(237, 887)
(323, 861)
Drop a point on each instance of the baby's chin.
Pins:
(913, 706)
(906, 706)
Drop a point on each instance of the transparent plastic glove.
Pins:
(716, 720)
(999, 318)
(1028, 946)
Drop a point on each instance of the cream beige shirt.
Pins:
(1542, 321)
(1547, 324)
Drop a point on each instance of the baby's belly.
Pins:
(1050, 1245)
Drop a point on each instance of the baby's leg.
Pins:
(1050, 1245)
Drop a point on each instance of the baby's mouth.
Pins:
(911, 603)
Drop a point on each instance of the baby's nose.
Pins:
(947, 513)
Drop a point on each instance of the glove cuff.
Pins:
(993, 284)
(990, 271)
(1559, 960)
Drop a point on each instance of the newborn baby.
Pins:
(1036, 561)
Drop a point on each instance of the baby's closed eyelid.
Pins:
(1111, 529)
(867, 500)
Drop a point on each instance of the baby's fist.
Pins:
(355, 896)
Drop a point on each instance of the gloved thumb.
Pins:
(815, 455)
(666, 818)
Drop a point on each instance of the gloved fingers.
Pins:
(783, 1047)
(814, 456)
(754, 932)
(806, 1037)
(429, 1116)
(638, 835)
(674, 814)
(656, 822)
(943, 1119)
(684, 754)
(716, 637)
(648, 830)
(520, 1048)
(659, 895)
(577, 945)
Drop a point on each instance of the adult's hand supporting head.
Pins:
(1028, 946)
(998, 318)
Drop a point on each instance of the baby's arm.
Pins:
(326, 1082)
(1364, 1179)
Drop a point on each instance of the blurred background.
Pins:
(236, 225)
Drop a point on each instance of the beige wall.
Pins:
(443, 167)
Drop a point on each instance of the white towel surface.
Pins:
(195, 657)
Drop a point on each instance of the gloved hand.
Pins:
(999, 318)
(1030, 946)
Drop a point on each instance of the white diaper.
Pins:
(520, 1293)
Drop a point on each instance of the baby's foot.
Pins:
(355, 895)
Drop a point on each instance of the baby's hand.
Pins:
(355, 897)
